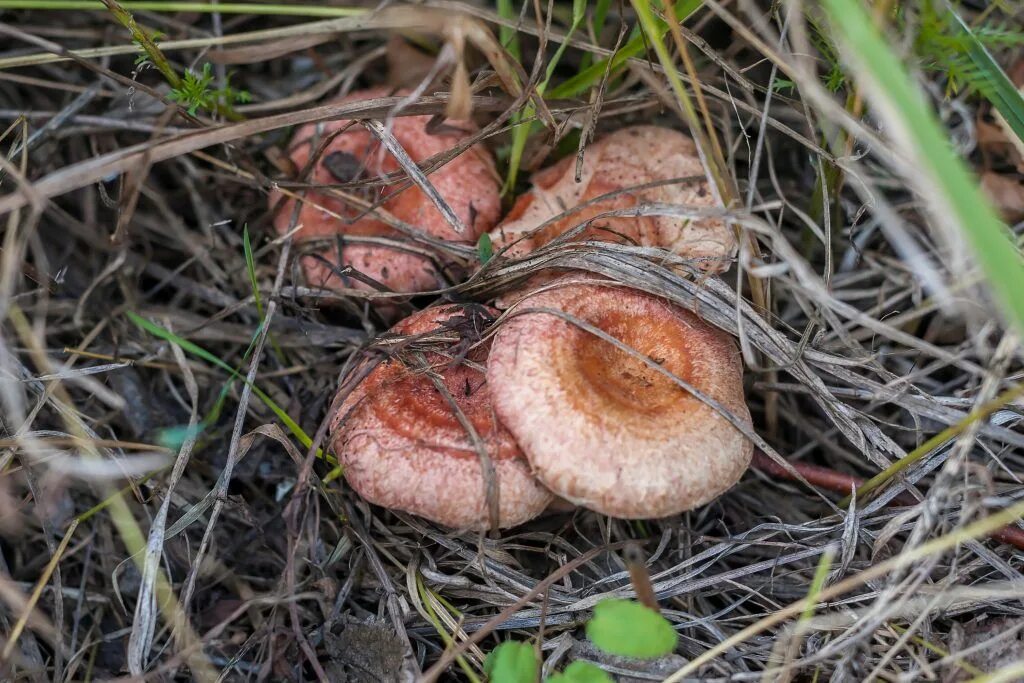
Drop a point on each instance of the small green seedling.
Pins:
(629, 629)
(581, 672)
(484, 248)
(513, 662)
(192, 90)
(195, 92)
(619, 627)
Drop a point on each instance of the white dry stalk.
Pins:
(122, 160)
(144, 622)
(816, 289)
(906, 559)
(1011, 634)
(15, 242)
(941, 598)
(127, 526)
(416, 175)
(810, 280)
(80, 377)
(77, 373)
(17, 603)
(12, 396)
(444, 59)
(90, 469)
(924, 601)
(192, 515)
(895, 151)
(394, 604)
(477, 34)
(439, 610)
(801, 70)
(310, 28)
(234, 451)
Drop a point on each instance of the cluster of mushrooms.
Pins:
(585, 390)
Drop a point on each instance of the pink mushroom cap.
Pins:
(403, 447)
(603, 428)
(622, 161)
(468, 183)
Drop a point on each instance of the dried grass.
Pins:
(242, 557)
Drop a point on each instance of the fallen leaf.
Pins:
(368, 652)
(992, 644)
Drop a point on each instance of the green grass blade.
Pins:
(522, 132)
(952, 194)
(817, 583)
(597, 24)
(634, 47)
(579, 9)
(157, 331)
(591, 76)
(254, 8)
(425, 595)
(991, 81)
(601, 16)
(523, 122)
(250, 265)
(198, 351)
(507, 35)
(174, 437)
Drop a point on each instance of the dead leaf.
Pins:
(367, 652)
(1001, 641)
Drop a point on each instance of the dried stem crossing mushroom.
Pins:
(419, 434)
(585, 375)
(632, 165)
(468, 184)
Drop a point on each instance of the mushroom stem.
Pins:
(840, 482)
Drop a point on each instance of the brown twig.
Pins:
(840, 482)
(639, 576)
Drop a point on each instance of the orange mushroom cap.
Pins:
(601, 427)
(403, 446)
(468, 183)
(622, 160)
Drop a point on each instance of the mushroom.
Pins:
(401, 442)
(612, 430)
(468, 183)
(619, 162)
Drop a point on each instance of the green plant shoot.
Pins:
(629, 629)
